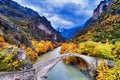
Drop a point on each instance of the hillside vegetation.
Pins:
(101, 39)
(9, 54)
(21, 28)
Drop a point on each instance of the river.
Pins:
(62, 71)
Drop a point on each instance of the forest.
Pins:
(36, 36)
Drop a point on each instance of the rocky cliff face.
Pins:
(100, 8)
(98, 11)
(21, 24)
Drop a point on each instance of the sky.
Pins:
(63, 13)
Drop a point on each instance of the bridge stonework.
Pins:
(41, 69)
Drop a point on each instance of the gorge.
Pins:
(33, 48)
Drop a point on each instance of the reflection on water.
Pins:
(62, 71)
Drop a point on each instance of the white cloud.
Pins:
(61, 3)
(48, 8)
(59, 22)
(87, 12)
(20, 2)
(97, 2)
(41, 11)
(36, 8)
(83, 3)
(87, 7)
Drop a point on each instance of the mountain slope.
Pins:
(102, 7)
(105, 28)
(24, 35)
(21, 24)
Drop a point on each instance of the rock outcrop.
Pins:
(98, 11)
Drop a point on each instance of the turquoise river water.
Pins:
(62, 71)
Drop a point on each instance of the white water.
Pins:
(62, 71)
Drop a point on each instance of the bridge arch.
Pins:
(42, 69)
(79, 60)
(55, 60)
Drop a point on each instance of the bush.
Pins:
(104, 51)
(106, 73)
(68, 47)
(87, 48)
(116, 50)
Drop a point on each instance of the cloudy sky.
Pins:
(63, 13)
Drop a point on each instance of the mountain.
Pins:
(98, 11)
(104, 25)
(21, 24)
(96, 14)
(101, 8)
(69, 33)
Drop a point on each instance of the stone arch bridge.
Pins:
(41, 69)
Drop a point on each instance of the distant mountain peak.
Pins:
(100, 8)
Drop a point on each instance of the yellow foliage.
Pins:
(32, 54)
(103, 51)
(71, 47)
(1, 40)
(15, 63)
(42, 46)
(3, 44)
(87, 47)
(106, 73)
(97, 49)
(67, 47)
(8, 58)
(67, 60)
